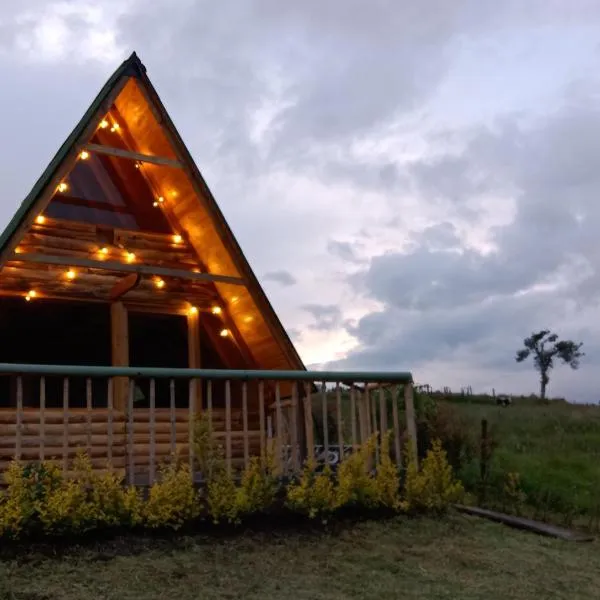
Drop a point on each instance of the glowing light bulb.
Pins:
(193, 310)
(177, 238)
(115, 127)
(103, 250)
(160, 199)
(30, 294)
(159, 283)
(155, 204)
(216, 310)
(138, 165)
(40, 219)
(84, 155)
(62, 187)
(17, 250)
(130, 256)
(224, 332)
(70, 274)
(103, 124)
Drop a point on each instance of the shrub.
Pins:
(313, 494)
(387, 477)
(433, 488)
(172, 499)
(259, 486)
(355, 484)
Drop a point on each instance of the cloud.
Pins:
(326, 316)
(284, 278)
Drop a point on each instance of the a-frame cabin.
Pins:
(121, 256)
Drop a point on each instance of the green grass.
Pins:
(459, 557)
(555, 448)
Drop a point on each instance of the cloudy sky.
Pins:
(416, 184)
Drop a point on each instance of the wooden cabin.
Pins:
(120, 256)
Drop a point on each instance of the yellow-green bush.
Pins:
(172, 500)
(432, 488)
(355, 483)
(387, 477)
(314, 494)
(258, 486)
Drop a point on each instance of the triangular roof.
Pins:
(189, 208)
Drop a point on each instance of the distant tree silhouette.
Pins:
(545, 346)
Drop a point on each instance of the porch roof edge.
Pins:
(178, 373)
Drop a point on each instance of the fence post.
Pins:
(411, 425)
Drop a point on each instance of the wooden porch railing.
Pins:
(53, 411)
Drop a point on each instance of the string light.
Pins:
(158, 201)
(84, 155)
(177, 238)
(71, 274)
(30, 294)
(103, 250)
(193, 310)
(216, 310)
(224, 332)
(159, 283)
(62, 187)
(138, 165)
(40, 219)
(17, 250)
(104, 124)
(130, 256)
(115, 127)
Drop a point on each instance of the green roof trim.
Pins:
(132, 67)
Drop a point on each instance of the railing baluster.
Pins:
(325, 415)
(110, 423)
(308, 423)
(339, 419)
(209, 404)
(191, 418)
(353, 416)
(19, 417)
(228, 424)
(65, 447)
(279, 441)
(245, 423)
(42, 449)
(88, 415)
(172, 418)
(130, 454)
(411, 425)
(395, 395)
(152, 425)
(382, 412)
(294, 429)
(372, 402)
(261, 416)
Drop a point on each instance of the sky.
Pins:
(415, 184)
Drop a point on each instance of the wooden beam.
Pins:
(110, 151)
(106, 265)
(194, 358)
(126, 284)
(120, 352)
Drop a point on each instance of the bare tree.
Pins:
(545, 347)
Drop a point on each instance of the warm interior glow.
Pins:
(159, 283)
(177, 238)
(71, 274)
(130, 256)
(224, 332)
(216, 310)
(193, 310)
(103, 124)
(248, 319)
(40, 219)
(84, 155)
(62, 187)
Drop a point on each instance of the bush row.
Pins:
(38, 500)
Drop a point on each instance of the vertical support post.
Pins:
(395, 397)
(279, 441)
(172, 417)
(228, 424)
(152, 424)
(363, 415)
(309, 433)
(88, 416)
(353, 416)
(65, 448)
(383, 426)
(294, 429)
(120, 351)
(194, 358)
(42, 452)
(19, 417)
(261, 416)
(339, 419)
(191, 420)
(325, 418)
(245, 423)
(110, 423)
(130, 457)
(411, 424)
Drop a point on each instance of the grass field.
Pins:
(458, 557)
(554, 447)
